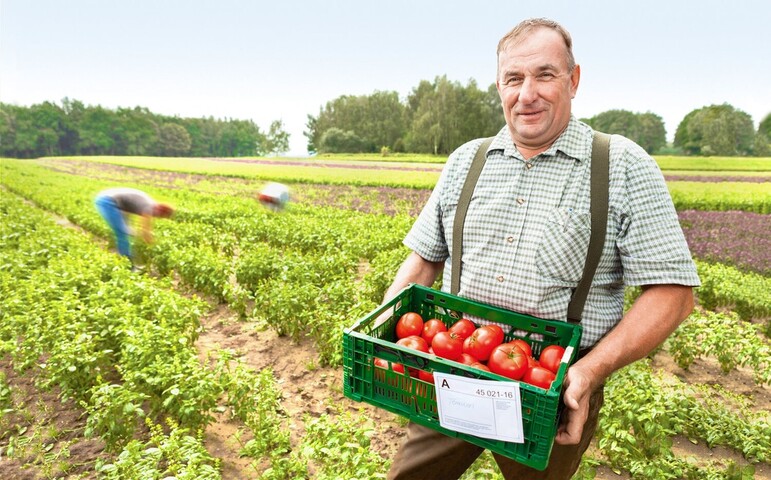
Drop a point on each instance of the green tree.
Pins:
(6, 132)
(765, 126)
(493, 106)
(384, 120)
(76, 129)
(49, 120)
(73, 111)
(653, 134)
(716, 130)
(277, 139)
(444, 114)
(95, 131)
(376, 120)
(312, 133)
(336, 140)
(435, 123)
(173, 140)
(620, 122)
(762, 145)
(136, 132)
(240, 138)
(205, 136)
(645, 129)
(25, 135)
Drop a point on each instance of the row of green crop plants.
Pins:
(299, 270)
(723, 196)
(299, 273)
(122, 346)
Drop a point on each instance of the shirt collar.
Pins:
(575, 142)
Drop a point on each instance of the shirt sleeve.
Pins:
(650, 240)
(426, 237)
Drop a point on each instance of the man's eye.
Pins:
(546, 76)
(514, 81)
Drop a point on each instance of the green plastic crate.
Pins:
(416, 399)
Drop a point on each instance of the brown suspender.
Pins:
(599, 216)
(600, 177)
(460, 213)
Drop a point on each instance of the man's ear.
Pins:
(575, 78)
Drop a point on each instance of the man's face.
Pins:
(536, 88)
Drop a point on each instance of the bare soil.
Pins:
(51, 426)
(54, 427)
(43, 425)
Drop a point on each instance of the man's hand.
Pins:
(383, 317)
(578, 390)
(652, 318)
(147, 236)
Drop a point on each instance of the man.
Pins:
(525, 243)
(274, 196)
(113, 204)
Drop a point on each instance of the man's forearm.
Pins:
(653, 317)
(415, 269)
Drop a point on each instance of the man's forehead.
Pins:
(533, 55)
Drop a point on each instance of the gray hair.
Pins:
(530, 24)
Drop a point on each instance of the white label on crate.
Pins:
(568, 353)
(484, 408)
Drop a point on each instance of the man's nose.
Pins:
(528, 92)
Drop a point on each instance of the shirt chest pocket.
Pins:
(564, 243)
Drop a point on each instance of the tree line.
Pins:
(47, 129)
(437, 117)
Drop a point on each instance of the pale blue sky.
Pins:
(284, 59)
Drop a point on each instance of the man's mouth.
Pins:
(527, 115)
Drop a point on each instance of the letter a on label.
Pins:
(445, 384)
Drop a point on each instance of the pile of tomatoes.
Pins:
(481, 347)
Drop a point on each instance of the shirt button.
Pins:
(500, 278)
(528, 165)
(510, 239)
(520, 200)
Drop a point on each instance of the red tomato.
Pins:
(447, 345)
(508, 360)
(523, 345)
(431, 328)
(539, 376)
(532, 362)
(410, 323)
(467, 359)
(414, 342)
(396, 367)
(426, 376)
(463, 327)
(482, 342)
(551, 357)
(497, 330)
(481, 366)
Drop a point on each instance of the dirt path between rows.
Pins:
(310, 390)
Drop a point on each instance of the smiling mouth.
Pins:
(527, 115)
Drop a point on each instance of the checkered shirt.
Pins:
(528, 224)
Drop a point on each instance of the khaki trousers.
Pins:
(429, 455)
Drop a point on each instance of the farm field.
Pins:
(223, 358)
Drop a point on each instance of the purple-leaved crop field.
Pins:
(741, 239)
(222, 356)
